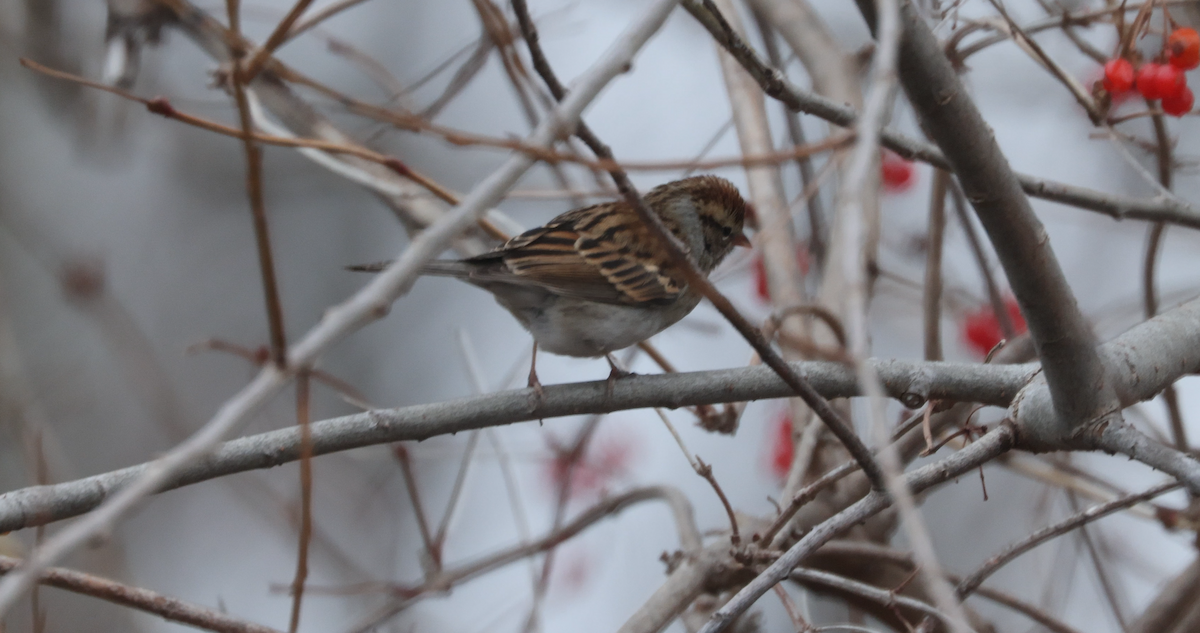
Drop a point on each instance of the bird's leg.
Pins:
(539, 394)
(615, 372)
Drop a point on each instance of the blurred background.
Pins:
(126, 241)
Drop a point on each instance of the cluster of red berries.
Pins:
(1160, 81)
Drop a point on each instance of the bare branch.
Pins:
(993, 384)
(166, 607)
(989, 446)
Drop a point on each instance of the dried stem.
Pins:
(972, 581)
(258, 210)
(933, 266)
(166, 607)
(303, 413)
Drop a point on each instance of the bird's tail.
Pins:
(444, 268)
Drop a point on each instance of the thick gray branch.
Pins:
(913, 382)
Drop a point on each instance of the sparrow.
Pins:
(595, 280)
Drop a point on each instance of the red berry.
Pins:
(760, 280)
(898, 174)
(1170, 81)
(1118, 76)
(761, 288)
(1179, 104)
(1183, 48)
(781, 447)
(982, 329)
(1145, 80)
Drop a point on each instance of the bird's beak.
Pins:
(741, 240)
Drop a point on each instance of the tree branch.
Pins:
(992, 384)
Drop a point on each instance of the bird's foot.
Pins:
(616, 372)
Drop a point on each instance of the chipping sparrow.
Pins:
(594, 280)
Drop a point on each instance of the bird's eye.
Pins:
(727, 231)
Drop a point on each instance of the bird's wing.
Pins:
(582, 254)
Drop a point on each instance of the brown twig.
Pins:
(303, 416)
(280, 35)
(320, 16)
(400, 451)
(258, 210)
(166, 607)
(705, 471)
(1111, 593)
(981, 261)
(933, 266)
(812, 202)
(970, 582)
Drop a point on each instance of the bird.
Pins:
(595, 280)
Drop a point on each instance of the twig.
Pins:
(883, 597)
(933, 266)
(319, 17)
(812, 202)
(989, 446)
(303, 412)
(883, 553)
(414, 496)
(365, 306)
(1073, 86)
(999, 309)
(165, 607)
(258, 211)
(969, 583)
(1111, 594)
(280, 35)
(681, 511)
(798, 622)
(163, 107)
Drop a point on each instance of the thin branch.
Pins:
(972, 581)
(882, 553)
(882, 597)
(681, 512)
(280, 35)
(319, 17)
(303, 412)
(999, 310)
(165, 607)
(933, 266)
(989, 446)
(816, 214)
(414, 496)
(258, 210)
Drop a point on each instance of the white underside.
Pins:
(574, 327)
